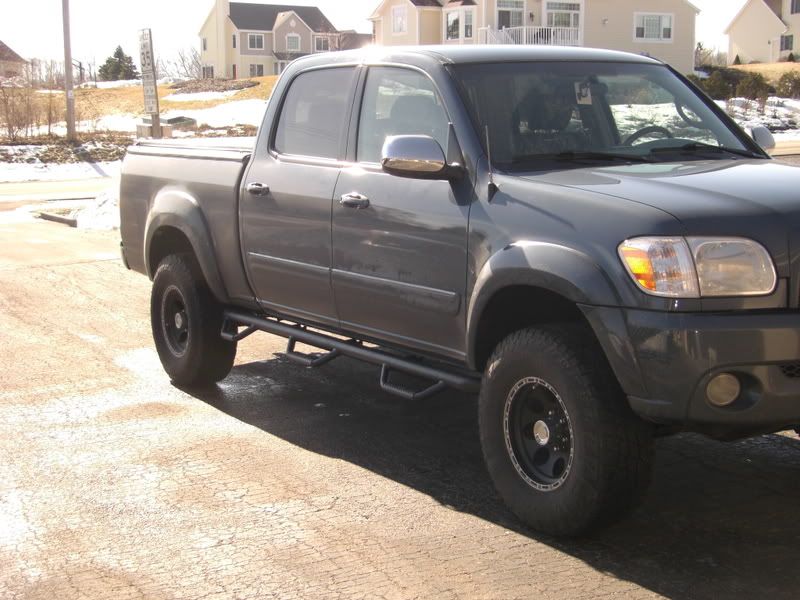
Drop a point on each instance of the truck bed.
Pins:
(196, 181)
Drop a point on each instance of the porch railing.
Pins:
(542, 36)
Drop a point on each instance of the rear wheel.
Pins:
(562, 446)
(186, 321)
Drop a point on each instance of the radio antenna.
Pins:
(492, 185)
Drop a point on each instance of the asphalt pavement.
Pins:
(284, 482)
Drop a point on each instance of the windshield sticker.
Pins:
(583, 93)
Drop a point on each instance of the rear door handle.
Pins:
(354, 200)
(257, 189)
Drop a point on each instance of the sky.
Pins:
(33, 27)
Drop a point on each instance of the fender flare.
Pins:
(180, 210)
(558, 269)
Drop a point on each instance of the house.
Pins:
(764, 31)
(251, 40)
(11, 63)
(664, 29)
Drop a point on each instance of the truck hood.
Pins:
(757, 199)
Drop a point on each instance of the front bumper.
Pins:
(676, 354)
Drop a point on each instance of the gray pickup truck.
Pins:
(581, 236)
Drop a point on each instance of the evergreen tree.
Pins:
(118, 66)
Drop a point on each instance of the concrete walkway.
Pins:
(55, 190)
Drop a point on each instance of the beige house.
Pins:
(11, 63)
(664, 29)
(251, 40)
(764, 31)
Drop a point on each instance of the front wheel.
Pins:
(187, 320)
(561, 444)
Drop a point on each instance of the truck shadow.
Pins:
(720, 520)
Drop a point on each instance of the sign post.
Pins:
(149, 78)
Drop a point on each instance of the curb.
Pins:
(58, 219)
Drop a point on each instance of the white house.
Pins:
(764, 31)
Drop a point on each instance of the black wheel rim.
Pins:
(174, 321)
(538, 434)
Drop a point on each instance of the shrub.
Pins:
(790, 58)
(789, 85)
(717, 86)
(754, 86)
(737, 60)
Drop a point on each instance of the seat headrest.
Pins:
(548, 111)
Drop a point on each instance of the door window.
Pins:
(398, 102)
(315, 113)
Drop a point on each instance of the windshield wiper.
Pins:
(578, 156)
(703, 147)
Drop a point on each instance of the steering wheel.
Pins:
(645, 131)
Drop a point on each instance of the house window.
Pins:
(208, 72)
(399, 19)
(653, 28)
(205, 44)
(234, 40)
(292, 42)
(787, 43)
(795, 7)
(453, 25)
(564, 14)
(322, 44)
(459, 24)
(256, 70)
(255, 41)
(510, 13)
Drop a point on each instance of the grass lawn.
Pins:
(772, 71)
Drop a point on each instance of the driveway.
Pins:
(294, 483)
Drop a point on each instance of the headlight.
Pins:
(698, 266)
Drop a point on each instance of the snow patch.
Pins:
(21, 172)
(102, 214)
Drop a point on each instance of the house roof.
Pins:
(460, 3)
(8, 55)
(417, 3)
(744, 8)
(262, 17)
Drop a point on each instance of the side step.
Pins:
(335, 347)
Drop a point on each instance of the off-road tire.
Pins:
(611, 448)
(197, 356)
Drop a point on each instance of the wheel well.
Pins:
(517, 307)
(167, 241)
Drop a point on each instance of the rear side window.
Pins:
(398, 102)
(313, 121)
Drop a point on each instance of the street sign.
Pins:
(149, 82)
(150, 93)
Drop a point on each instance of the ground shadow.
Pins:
(720, 519)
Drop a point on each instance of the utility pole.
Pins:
(70, 93)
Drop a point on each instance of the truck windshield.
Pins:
(538, 113)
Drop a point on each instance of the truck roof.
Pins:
(474, 53)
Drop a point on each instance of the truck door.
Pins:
(400, 245)
(285, 210)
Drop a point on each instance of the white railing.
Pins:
(542, 36)
(489, 35)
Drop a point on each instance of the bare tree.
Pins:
(187, 64)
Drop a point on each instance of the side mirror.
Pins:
(417, 157)
(762, 136)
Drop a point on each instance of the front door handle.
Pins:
(257, 189)
(354, 200)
